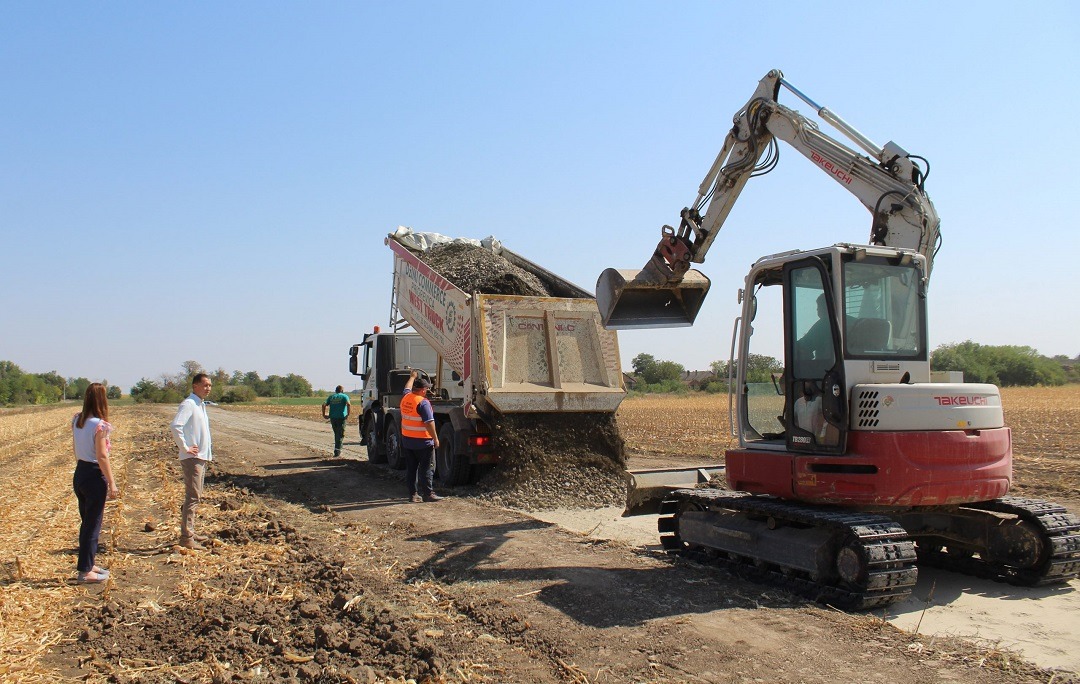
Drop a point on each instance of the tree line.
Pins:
(227, 388)
(18, 387)
(1005, 366)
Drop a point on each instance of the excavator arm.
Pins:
(668, 293)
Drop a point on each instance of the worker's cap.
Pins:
(421, 383)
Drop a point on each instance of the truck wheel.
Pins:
(451, 468)
(394, 455)
(374, 455)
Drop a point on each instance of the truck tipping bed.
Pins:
(519, 353)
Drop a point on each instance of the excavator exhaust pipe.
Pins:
(631, 299)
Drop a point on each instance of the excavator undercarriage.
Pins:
(860, 560)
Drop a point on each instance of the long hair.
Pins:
(95, 404)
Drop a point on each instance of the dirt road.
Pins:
(704, 607)
(318, 570)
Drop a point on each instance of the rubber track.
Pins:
(1059, 529)
(890, 553)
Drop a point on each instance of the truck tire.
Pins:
(451, 468)
(374, 454)
(394, 456)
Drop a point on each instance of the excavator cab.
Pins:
(630, 300)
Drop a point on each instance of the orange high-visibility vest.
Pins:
(411, 425)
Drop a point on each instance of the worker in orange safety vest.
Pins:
(419, 439)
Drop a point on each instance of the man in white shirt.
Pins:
(191, 431)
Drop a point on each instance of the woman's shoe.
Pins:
(101, 571)
(92, 577)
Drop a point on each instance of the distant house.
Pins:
(696, 379)
(628, 381)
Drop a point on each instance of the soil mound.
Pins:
(282, 606)
(557, 460)
(476, 269)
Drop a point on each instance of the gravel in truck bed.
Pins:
(475, 269)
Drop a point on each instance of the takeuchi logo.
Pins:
(961, 400)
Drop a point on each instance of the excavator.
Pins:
(852, 467)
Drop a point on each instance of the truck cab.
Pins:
(384, 361)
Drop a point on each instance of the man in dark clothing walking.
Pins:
(338, 405)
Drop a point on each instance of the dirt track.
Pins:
(320, 571)
(1038, 622)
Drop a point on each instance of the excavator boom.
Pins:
(668, 293)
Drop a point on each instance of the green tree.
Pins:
(759, 368)
(113, 392)
(642, 362)
(145, 390)
(76, 387)
(296, 386)
(9, 375)
(665, 371)
(1006, 365)
(238, 393)
(657, 375)
(272, 387)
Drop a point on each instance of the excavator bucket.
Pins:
(646, 489)
(642, 299)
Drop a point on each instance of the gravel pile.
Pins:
(476, 269)
(557, 460)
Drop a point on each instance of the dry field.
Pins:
(306, 412)
(155, 624)
(1045, 424)
(38, 518)
(38, 514)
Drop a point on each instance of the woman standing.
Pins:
(93, 481)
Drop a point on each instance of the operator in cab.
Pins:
(815, 348)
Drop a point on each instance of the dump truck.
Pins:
(485, 355)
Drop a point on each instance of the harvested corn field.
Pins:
(1045, 426)
(319, 570)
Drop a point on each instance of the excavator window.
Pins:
(814, 417)
(883, 311)
(763, 404)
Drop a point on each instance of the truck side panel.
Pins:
(547, 354)
(435, 307)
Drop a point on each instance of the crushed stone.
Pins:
(476, 269)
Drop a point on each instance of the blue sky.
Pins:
(213, 181)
